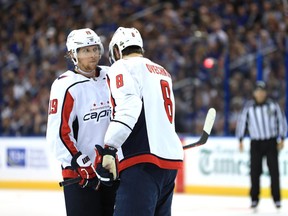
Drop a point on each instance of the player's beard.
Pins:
(91, 66)
(88, 71)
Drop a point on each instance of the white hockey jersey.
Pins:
(78, 115)
(142, 124)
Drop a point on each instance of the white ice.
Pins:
(51, 203)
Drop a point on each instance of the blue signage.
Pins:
(16, 157)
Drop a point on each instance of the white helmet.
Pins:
(82, 38)
(122, 38)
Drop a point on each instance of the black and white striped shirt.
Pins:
(263, 121)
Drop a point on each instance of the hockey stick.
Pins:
(73, 181)
(70, 181)
(208, 124)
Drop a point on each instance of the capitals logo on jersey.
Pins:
(98, 112)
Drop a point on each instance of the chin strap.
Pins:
(91, 74)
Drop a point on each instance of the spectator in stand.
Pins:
(33, 34)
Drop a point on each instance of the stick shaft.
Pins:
(208, 124)
(70, 181)
(203, 139)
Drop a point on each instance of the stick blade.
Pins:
(209, 121)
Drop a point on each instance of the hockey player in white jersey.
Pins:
(79, 114)
(141, 129)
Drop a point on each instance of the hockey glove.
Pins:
(84, 167)
(107, 159)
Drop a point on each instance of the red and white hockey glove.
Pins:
(84, 167)
(107, 159)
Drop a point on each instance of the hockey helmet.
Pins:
(123, 38)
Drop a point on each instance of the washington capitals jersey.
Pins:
(143, 108)
(79, 114)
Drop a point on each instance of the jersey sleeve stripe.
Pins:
(65, 129)
(112, 100)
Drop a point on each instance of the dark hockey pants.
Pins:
(259, 150)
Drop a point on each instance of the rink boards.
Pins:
(216, 168)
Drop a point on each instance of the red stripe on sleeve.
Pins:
(112, 100)
(65, 129)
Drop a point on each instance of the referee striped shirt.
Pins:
(262, 121)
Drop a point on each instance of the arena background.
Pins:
(214, 50)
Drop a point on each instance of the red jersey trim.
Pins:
(149, 158)
(68, 173)
(64, 127)
(112, 100)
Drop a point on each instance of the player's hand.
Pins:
(106, 158)
(280, 145)
(84, 167)
(241, 148)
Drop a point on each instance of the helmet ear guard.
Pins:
(123, 38)
(114, 54)
(73, 56)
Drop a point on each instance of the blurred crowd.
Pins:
(178, 34)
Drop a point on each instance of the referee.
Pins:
(267, 128)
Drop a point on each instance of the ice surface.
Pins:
(48, 203)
